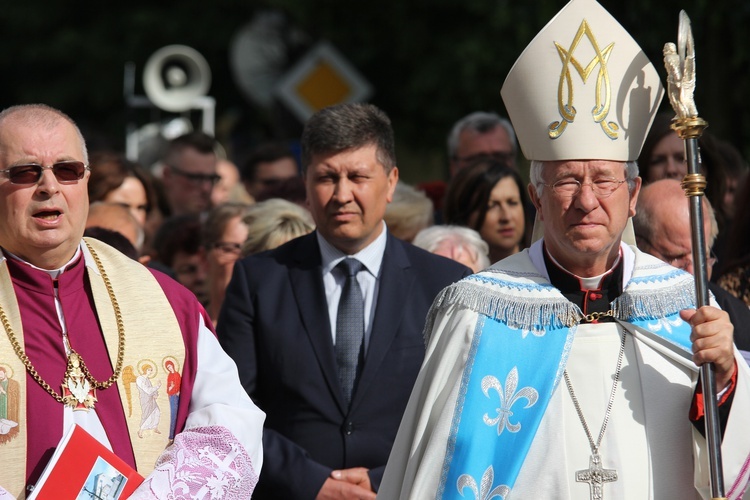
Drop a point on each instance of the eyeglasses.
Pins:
(228, 247)
(498, 157)
(602, 188)
(685, 261)
(196, 178)
(66, 172)
(682, 261)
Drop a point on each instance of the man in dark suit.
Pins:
(334, 378)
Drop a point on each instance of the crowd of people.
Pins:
(310, 327)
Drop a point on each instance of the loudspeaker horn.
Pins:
(175, 76)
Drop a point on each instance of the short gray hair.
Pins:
(536, 167)
(462, 237)
(482, 122)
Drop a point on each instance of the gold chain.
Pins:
(120, 341)
(594, 316)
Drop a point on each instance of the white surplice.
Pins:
(649, 440)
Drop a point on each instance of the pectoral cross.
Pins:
(77, 392)
(596, 476)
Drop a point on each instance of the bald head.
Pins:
(662, 223)
(41, 116)
(118, 218)
(42, 216)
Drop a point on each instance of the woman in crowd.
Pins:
(223, 235)
(409, 212)
(272, 223)
(489, 197)
(663, 157)
(114, 179)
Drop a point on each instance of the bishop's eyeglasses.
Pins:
(602, 187)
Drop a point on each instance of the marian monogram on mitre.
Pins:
(602, 88)
(583, 88)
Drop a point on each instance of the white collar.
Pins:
(371, 256)
(53, 273)
(536, 254)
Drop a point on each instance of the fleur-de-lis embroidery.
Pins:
(482, 492)
(536, 331)
(665, 323)
(508, 398)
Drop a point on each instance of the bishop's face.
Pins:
(583, 232)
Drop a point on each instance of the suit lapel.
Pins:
(307, 284)
(395, 284)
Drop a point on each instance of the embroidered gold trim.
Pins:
(565, 86)
(95, 383)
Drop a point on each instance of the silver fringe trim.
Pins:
(534, 314)
(550, 309)
(655, 303)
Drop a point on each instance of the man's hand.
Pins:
(713, 341)
(347, 484)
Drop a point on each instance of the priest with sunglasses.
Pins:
(86, 330)
(570, 370)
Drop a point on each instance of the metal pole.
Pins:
(694, 184)
(679, 61)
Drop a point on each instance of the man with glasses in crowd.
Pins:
(189, 173)
(80, 322)
(480, 136)
(569, 370)
(267, 168)
(662, 228)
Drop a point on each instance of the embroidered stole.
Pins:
(518, 354)
(149, 361)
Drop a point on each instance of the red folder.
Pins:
(83, 468)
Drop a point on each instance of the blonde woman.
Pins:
(272, 223)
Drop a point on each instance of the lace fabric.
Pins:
(202, 463)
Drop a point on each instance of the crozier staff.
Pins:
(680, 65)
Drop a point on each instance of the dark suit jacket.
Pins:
(275, 325)
(739, 315)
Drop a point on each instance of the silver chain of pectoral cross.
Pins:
(595, 475)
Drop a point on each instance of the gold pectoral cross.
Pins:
(596, 476)
(77, 392)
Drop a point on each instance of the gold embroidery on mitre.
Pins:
(603, 90)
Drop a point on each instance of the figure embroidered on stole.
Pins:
(148, 393)
(174, 380)
(9, 399)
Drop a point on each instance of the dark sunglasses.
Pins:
(196, 178)
(66, 172)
